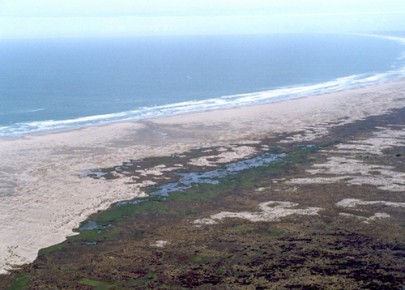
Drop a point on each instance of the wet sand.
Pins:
(44, 197)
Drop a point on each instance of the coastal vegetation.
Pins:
(155, 242)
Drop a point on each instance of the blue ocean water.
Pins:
(50, 85)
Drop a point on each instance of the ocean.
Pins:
(52, 85)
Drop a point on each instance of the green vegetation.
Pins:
(109, 220)
(220, 271)
(92, 236)
(115, 222)
(247, 179)
(129, 211)
(51, 249)
(201, 192)
(243, 229)
(20, 282)
(272, 233)
(201, 259)
(146, 281)
(99, 285)
(300, 155)
(296, 252)
(204, 192)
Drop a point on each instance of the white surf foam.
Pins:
(237, 100)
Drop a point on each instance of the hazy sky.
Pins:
(94, 18)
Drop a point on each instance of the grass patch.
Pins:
(99, 285)
(201, 259)
(120, 213)
(191, 212)
(20, 282)
(51, 249)
(301, 155)
(201, 192)
(98, 235)
(137, 234)
(243, 229)
(145, 281)
(272, 233)
(220, 271)
(116, 214)
(276, 167)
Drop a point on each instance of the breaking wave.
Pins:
(230, 101)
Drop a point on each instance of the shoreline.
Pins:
(123, 123)
(333, 86)
(45, 198)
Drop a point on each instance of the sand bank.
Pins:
(44, 197)
(269, 211)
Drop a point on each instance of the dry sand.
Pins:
(44, 197)
(269, 211)
(342, 162)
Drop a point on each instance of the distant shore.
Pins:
(44, 195)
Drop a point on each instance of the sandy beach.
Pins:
(43, 191)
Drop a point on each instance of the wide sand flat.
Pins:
(44, 197)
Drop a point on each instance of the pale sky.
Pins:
(121, 18)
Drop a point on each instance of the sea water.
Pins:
(48, 85)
